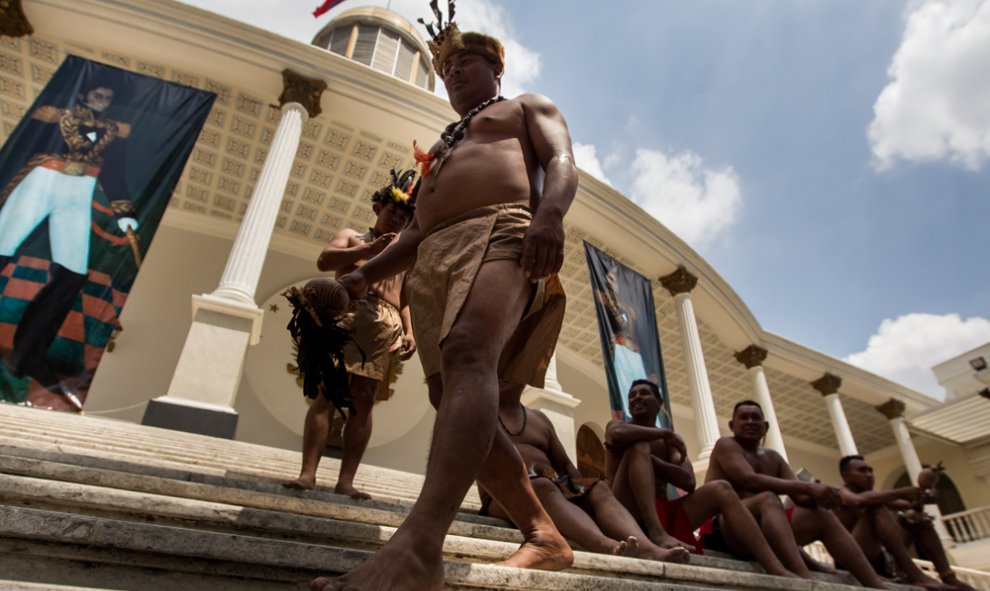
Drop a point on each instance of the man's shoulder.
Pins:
(533, 100)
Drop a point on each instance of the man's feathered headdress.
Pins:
(448, 40)
(399, 192)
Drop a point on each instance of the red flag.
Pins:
(325, 7)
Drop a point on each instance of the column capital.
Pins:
(827, 384)
(752, 356)
(892, 409)
(680, 281)
(297, 88)
(13, 21)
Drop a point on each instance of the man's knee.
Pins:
(465, 347)
(721, 490)
(543, 487)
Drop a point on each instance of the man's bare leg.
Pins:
(877, 528)
(616, 522)
(822, 524)
(925, 537)
(719, 497)
(634, 486)
(504, 476)
(412, 560)
(768, 511)
(357, 432)
(315, 431)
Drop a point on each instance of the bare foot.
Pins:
(927, 582)
(349, 490)
(627, 547)
(668, 541)
(677, 555)
(395, 567)
(301, 483)
(542, 550)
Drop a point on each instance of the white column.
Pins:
(894, 411)
(753, 357)
(843, 434)
(679, 284)
(240, 277)
(694, 363)
(828, 385)
(201, 395)
(775, 440)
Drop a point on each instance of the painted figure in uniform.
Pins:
(58, 186)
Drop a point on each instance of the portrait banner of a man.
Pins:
(627, 327)
(85, 178)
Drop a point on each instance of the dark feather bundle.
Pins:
(319, 348)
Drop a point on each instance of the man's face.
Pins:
(859, 475)
(643, 402)
(391, 218)
(99, 99)
(469, 78)
(748, 423)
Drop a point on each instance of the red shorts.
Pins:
(674, 519)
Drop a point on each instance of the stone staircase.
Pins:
(91, 503)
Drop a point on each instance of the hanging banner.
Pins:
(85, 178)
(627, 327)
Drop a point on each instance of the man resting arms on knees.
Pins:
(760, 474)
(866, 514)
(641, 459)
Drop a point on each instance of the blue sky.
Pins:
(828, 157)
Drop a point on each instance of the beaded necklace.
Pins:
(521, 429)
(452, 134)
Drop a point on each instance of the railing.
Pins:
(968, 526)
(974, 578)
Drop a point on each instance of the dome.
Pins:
(380, 39)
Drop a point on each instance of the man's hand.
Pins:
(355, 284)
(408, 347)
(543, 247)
(674, 440)
(382, 241)
(827, 497)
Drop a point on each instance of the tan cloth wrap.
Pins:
(447, 263)
(377, 330)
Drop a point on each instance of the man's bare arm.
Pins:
(543, 246)
(676, 469)
(620, 434)
(398, 256)
(741, 474)
(555, 449)
(874, 498)
(339, 254)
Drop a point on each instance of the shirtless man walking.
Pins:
(641, 459)
(866, 514)
(483, 261)
(759, 474)
(583, 509)
(380, 332)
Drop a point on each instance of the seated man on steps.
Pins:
(866, 514)
(641, 459)
(583, 509)
(760, 474)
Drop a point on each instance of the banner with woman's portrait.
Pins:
(627, 327)
(85, 178)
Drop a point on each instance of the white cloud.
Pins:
(697, 203)
(586, 159)
(937, 103)
(905, 349)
